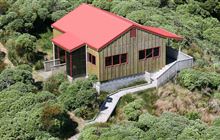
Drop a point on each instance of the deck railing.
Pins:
(183, 61)
(54, 65)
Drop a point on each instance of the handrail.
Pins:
(174, 68)
(51, 60)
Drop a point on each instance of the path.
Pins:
(6, 60)
(105, 114)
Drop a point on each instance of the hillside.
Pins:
(186, 108)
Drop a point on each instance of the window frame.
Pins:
(158, 52)
(90, 58)
(112, 60)
(152, 53)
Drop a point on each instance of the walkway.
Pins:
(105, 114)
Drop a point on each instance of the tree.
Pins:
(10, 76)
(22, 49)
(57, 122)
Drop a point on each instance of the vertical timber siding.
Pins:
(131, 46)
(91, 68)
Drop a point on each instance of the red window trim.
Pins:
(152, 51)
(119, 60)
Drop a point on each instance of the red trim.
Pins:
(115, 38)
(71, 65)
(152, 51)
(112, 63)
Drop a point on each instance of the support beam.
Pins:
(54, 57)
(71, 65)
(87, 75)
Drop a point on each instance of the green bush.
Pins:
(56, 121)
(216, 122)
(24, 67)
(194, 79)
(146, 121)
(80, 97)
(193, 115)
(23, 88)
(39, 65)
(133, 110)
(52, 84)
(10, 76)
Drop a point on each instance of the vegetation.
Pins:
(194, 79)
(2, 64)
(28, 112)
(148, 127)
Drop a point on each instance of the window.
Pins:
(91, 58)
(133, 33)
(116, 59)
(156, 51)
(124, 58)
(149, 53)
(108, 61)
(142, 54)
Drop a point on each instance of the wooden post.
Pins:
(71, 65)
(86, 61)
(54, 58)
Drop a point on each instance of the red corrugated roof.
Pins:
(96, 28)
(68, 41)
(162, 32)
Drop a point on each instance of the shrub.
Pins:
(79, 97)
(23, 88)
(216, 122)
(56, 121)
(39, 65)
(25, 67)
(53, 83)
(194, 79)
(12, 75)
(146, 121)
(133, 110)
(193, 115)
